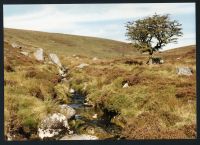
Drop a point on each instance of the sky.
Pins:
(98, 20)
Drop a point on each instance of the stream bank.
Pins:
(91, 120)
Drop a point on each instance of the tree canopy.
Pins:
(152, 33)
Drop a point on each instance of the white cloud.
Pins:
(69, 18)
(74, 13)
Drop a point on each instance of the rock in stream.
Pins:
(56, 124)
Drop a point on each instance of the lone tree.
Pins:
(152, 33)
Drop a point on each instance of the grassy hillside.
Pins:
(69, 44)
(157, 104)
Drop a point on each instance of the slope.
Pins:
(69, 44)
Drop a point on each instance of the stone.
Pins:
(9, 137)
(79, 137)
(94, 116)
(24, 53)
(82, 65)
(125, 85)
(47, 133)
(68, 111)
(161, 61)
(184, 71)
(52, 126)
(63, 71)
(71, 90)
(39, 54)
(155, 60)
(15, 45)
(71, 132)
(54, 58)
(150, 62)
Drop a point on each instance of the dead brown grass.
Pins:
(149, 126)
(36, 92)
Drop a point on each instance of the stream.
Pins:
(91, 121)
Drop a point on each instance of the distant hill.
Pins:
(69, 44)
(181, 52)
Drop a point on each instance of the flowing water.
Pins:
(92, 121)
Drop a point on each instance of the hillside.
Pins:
(124, 97)
(69, 44)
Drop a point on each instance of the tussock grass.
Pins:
(30, 93)
(155, 89)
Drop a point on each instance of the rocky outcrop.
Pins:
(54, 58)
(184, 71)
(39, 54)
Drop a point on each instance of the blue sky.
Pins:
(98, 20)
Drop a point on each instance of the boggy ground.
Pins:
(158, 104)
